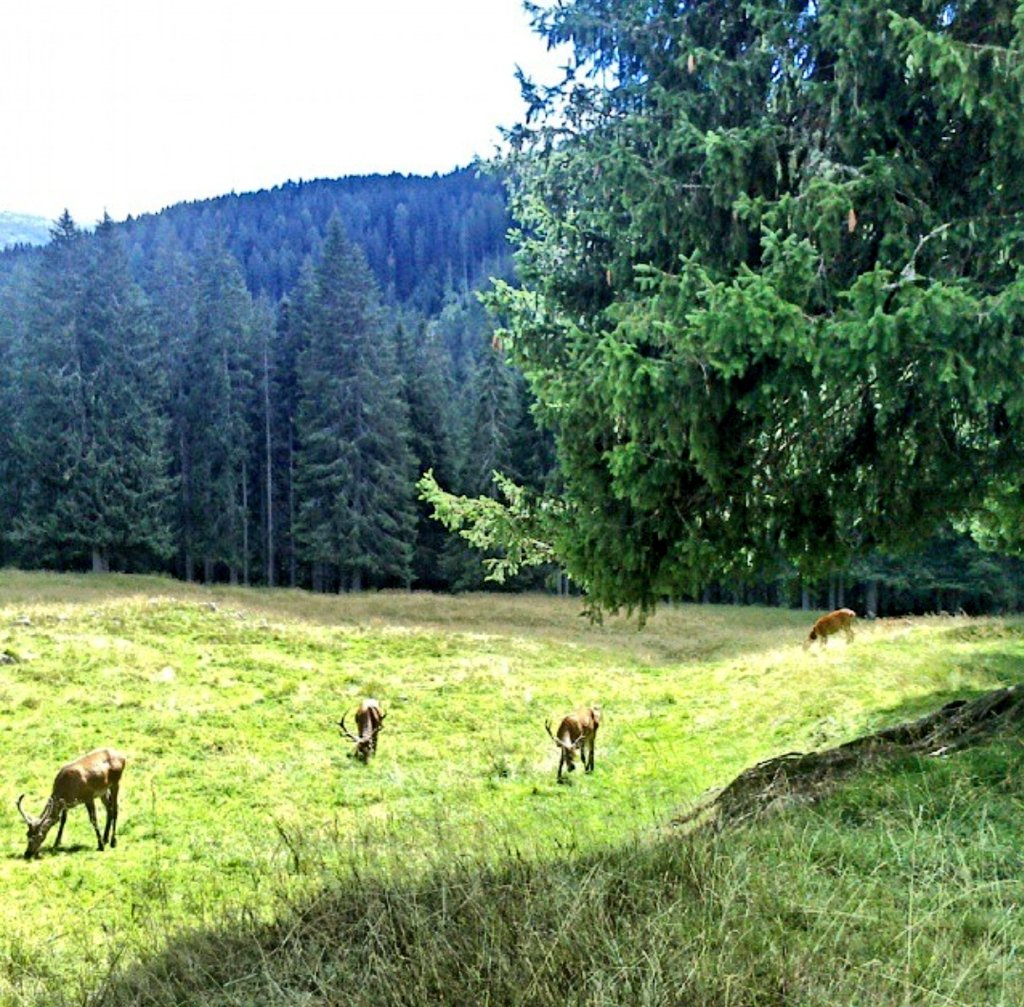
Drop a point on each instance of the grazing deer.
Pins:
(841, 620)
(575, 734)
(369, 722)
(97, 774)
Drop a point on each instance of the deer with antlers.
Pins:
(576, 734)
(369, 723)
(839, 621)
(97, 774)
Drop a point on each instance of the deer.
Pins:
(97, 774)
(576, 733)
(839, 621)
(369, 723)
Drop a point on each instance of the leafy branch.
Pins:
(520, 529)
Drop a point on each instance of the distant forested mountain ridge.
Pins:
(421, 236)
(247, 388)
(22, 229)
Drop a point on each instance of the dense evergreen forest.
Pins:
(246, 389)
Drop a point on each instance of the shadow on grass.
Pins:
(64, 850)
(524, 933)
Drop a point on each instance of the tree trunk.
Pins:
(100, 563)
(293, 573)
(245, 523)
(871, 599)
(269, 462)
(186, 505)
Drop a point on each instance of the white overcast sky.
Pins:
(128, 106)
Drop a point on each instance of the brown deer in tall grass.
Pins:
(369, 723)
(576, 734)
(97, 774)
(839, 621)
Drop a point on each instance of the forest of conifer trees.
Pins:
(247, 389)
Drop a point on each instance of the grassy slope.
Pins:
(238, 799)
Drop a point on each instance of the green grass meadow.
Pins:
(258, 863)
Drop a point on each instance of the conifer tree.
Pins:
(220, 369)
(293, 327)
(772, 287)
(172, 294)
(13, 309)
(493, 416)
(50, 380)
(264, 421)
(353, 475)
(428, 390)
(96, 463)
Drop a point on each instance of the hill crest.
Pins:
(22, 229)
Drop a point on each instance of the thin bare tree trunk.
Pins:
(186, 506)
(269, 464)
(245, 523)
(293, 572)
(871, 599)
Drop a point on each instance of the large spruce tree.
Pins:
(14, 287)
(354, 478)
(773, 295)
(220, 381)
(94, 455)
(428, 393)
(173, 298)
(293, 327)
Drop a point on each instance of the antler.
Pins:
(348, 734)
(28, 821)
(556, 740)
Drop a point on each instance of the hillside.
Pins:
(421, 235)
(257, 863)
(22, 229)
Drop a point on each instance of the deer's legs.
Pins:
(110, 828)
(60, 828)
(90, 806)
